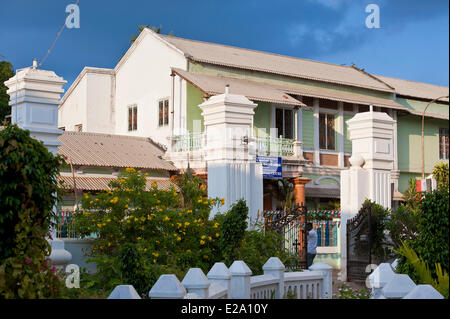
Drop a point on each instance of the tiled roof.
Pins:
(256, 91)
(90, 183)
(224, 55)
(260, 91)
(108, 150)
(416, 89)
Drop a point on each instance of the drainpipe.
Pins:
(423, 129)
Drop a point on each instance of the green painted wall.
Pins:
(194, 97)
(261, 119)
(420, 106)
(308, 129)
(403, 180)
(409, 143)
(334, 260)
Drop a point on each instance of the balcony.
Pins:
(265, 146)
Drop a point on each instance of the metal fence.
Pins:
(64, 224)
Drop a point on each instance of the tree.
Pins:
(6, 72)
(142, 27)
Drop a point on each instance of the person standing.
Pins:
(311, 244)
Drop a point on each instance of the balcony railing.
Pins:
(272, 146)
(267, 146)
(188, 142)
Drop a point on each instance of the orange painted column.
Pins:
(299, 189)
(204, 177)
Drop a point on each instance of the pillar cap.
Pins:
(301, 180)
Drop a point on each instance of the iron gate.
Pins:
(291, 225)
(359, 245)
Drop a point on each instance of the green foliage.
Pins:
(234, 224)
(402, 225)
(441, 283)
(6, 72)
(412, 198)
(133, 269)
(285, 193)
(346, 292)
(145, 233)
(440, 174)
(378, 217)
(257, 247)
(142, 27)
(191, 188)
(431, 242)
(28, 174)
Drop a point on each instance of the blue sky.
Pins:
(412, 42)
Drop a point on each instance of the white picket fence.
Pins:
(385, 283)
(237, 282)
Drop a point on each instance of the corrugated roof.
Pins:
(260, 91)
(90, 183)
(416, 89)
(257, 91)
(108, 150)
(220, 54)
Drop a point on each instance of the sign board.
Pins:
(271, 166)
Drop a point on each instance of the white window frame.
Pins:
(274, 122)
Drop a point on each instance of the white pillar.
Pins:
(372, 160)
(341, 132)
(34, 99)
(240, 280)
(316, 133)
(167, 287)
(196, 282)
(220, 274)
(230, 153)
(275, 267)
(327, 281)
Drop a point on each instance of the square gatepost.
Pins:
(240, 280)
(276, 268)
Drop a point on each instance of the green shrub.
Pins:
(28, 174)
(423, 271)
(440, 174)
(233, 227)
(431, 242)
(378, 217)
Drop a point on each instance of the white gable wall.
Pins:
(89, 102)
(73, 110)
(142, 79)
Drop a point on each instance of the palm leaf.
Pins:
(423, 271)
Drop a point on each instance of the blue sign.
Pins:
(271, 166)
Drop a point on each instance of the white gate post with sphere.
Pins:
(372, 160)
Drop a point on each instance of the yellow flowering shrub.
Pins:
(161, 232)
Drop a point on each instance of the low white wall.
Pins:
(78, 248)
